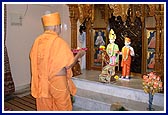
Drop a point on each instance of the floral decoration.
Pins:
(102, 48)
(152, 83)
(75, 51)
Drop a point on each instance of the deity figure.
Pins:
(112, 49)
(127, 52)
(99, 42)
(151, 61)
(152, 40)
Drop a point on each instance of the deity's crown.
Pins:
(112, 35)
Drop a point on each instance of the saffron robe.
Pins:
(126, 61)
(49, 54)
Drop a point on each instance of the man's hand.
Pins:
(77, 56)
(81, 53)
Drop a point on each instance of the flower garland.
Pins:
(75, 51)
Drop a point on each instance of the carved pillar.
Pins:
(144, 50)
(157, 53)
(89, 11)
(88, 45)
(73, 33)
(106, 15)
(162, 39)
(73, 10)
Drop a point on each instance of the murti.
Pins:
(112, 49)
(108, 72)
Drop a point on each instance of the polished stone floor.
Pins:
(93, 75)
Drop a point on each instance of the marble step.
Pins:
(119, 91)
(93, 101)
(76, 108)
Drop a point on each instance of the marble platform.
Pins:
(93, 95)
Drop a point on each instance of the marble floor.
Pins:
(93, 75)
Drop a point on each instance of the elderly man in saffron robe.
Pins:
(51, 62)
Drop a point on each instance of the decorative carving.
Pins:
(73, 11)
(119, 10)
(85, 12)
(152, 9)
(81, 13)
(162, 43)
(127, 19)
(107, 74)
(85, 16)
(157, 55)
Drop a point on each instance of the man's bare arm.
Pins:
(77, 56)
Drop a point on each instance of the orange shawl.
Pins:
(126, 57)
(48, 56)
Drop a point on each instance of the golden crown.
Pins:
(112, 35)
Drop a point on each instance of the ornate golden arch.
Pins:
(86, 11)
